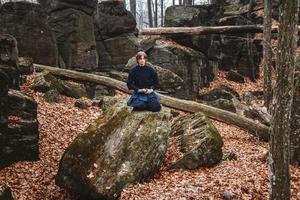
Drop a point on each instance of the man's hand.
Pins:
(149, 91)
(142, 90)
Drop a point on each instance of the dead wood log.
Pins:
(255, 128)
(202, 30)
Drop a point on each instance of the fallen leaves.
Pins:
(60, 123)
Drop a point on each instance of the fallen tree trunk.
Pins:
(256, 128)
(202, 30)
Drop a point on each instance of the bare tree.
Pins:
(156, 13)
(282, 101)
(267, 52)
(187, 2)
(133, 7)
(150, 13)
(162, 12)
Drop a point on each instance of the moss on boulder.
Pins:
(121, 147)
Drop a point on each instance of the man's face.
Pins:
(142, 61)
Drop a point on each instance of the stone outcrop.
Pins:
(27, 22)
(190, 65)
(240, 52)
(116, 35)
(18, 112)
(121, 147)
(72, 23)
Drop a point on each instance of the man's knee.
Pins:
(154, 106)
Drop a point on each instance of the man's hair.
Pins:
(140, 54)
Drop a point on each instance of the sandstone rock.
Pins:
(234, 76)
(121, 147)
(190, 65)
(9, 65)
(20, 140)
(45, 81)
(18, 113)
(199, 140)
(73, 26)
(114, 30)
(28, 24)
(106, 102)
(81, 104)
(221, 92)
(6, 194)
(52, 96)
(224, 104)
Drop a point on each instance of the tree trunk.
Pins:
(267, 59)
(282, 102)
(150, 13)
(162, 12)
(295, 126)
(156, 14)
(180, 2)
(133, 7)
(250, 47)
(187, 2)
(253, 127)
(173, 2)
(202, 30)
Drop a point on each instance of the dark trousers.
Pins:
(151, 105)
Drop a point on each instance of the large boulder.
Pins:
(6, 194)
(190, 65)
(20, 141)
(87, 6)
(199, 140)
(116, 35)
(73, 25)
(9, 64)
(28, 24)
(9, 74)
(121, 147)
(182, 16)
(18, 112)
(113, 19)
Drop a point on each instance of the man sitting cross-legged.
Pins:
(143, 80)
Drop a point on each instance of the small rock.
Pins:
(40, 84)
(222, 91)
(81, 104)
(224, 104)
(175, 113)
(228, 195)
(235, 76)
(6, 194)
(229, 156)
(52, 96)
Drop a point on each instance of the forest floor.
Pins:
(244, 178)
